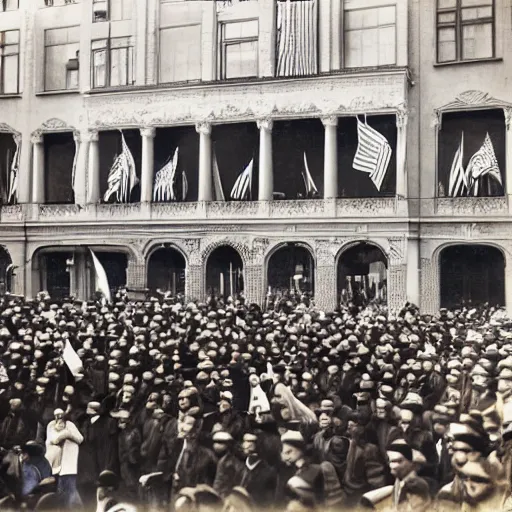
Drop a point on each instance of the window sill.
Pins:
(120, 88)
(10, 96)
(463, 62)
(56, 93)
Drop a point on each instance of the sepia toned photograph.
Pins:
(255, 255)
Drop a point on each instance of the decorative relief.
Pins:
(117, 211)
(325, 252)
(376, 207)
(231, 209)
(299, 208)
(59, 211)
(12, 213)
(259, 249)
(174, 210)
(397, 251)
(240, 244)
(508, 117)
(461, 206)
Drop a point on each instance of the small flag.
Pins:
(101, 280)
(164, 180)
(217, 183)
(242, 187)
(308, 180)
(72, 360)
(373, 153)
(13, 175)
(122, 177)
(483, 163)
(458, 182)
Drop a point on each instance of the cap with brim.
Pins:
(222, 437)
(476, 472)
(402, 448)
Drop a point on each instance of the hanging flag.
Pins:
(483, 163)
(217, 183)
(72, 359)
(308, 180)
(122, 177)
(373, 153)
(163, 189)
(458, 182)
(242, 187)
(297, 38)
(73, 169)
(184, 186)
(101, 280)
(13, 175)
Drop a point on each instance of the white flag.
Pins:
(72, 360)
(164, 180)
(101, 280)
(308, 180)
(13, 175)
(73, 169)
(242, 188)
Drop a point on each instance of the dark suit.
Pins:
(261, 483)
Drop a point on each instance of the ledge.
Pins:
(465, 62)
(468, 206)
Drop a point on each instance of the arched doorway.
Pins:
(472, 275)
(224, 272)
(291, 268)
(362, 275)
(115, 265)
(54, 273)
(166, 271)
(6, 271)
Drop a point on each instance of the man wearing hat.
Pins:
(129, 443)
(35, 468)
(229, 467)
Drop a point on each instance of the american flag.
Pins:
(458, 182)
(483, 163)
(242, 188)
(373, 153)
(122, 177)
(164, 180)
(73, 169)
(308, 180)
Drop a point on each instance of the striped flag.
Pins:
(458, 182)
(100, 278)
(13, 175)
(296, 38)
(373, 153)
(122, 177)
(308, 180)
(184, 186)
(242, 187)
(483, 163)
(217, 183)
(73, 169)
(164, 180)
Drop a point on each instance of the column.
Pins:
(413, 270)
(37, 168)
(80, 181)
(330, 157)
(508, 156)
(94, 191)
(146, 179)
(266, 173)
(401, 153)
(205, 162)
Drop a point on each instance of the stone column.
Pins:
(254, 282)
(326, 289)
(430, 286)
(94, 188)
(38, 185)
(205, 162)
(397, 274)
(266, 172)
(148, 164)
(194, 279)
(82, 156)
(508, 157)
(401, 153)
(330, 157)
(413, 270)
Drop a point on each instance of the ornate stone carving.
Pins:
(397, 251)
(364, 207)
(300, 208)
(36, 137)
(90, 136)
(174, 210)
(265, 124)
(330, 121)
(5, 128)
(461, 206)
(325, 253)
(204, 128)
(231, 209)
(11, 213)
(508, 117)
(476, 99)
(240, 244)
(54, 124)
(402, 115)
(118, 210)
(59, 211)
(259, 249)
(148, 132)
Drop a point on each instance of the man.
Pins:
(35, 468)
(229, 467)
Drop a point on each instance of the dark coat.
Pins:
(129, 442)
(228, 475)
(260, 483)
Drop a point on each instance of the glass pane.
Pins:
(241, 60)
(10, 74)
(120, 42)
(370, 17)
(446, 47)
(353, 53)
(12, 37)
(242, 29)
(99, 44)
(387, 15)
(72, 79)
(119, 67)
(62, 35)
(370, 47)
(477, 41)
(353, 20)
(127, 9)
(475, 3)
(446, 17)
(99, 68)
(387, 46)
(55, 69)
(446, 4)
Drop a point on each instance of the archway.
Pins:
(115, 265)
(166, 271)
(224, 272)
(472, 275)
(291, 268)
(362, 275)
(54, 273)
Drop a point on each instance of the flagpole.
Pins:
(231, 279)
(221, 284)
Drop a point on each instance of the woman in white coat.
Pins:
(62, 444)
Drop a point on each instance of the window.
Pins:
(239, 49)
(9, 62)
(465, 30)
(9, 5)
(370, 37)
(112, 62)
(61, 58)
(180, 54)
(112, 10)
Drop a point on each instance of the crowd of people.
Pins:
(220, 406)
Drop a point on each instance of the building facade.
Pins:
(277, 87)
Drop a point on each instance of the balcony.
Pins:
(470, 206)
(305, 210)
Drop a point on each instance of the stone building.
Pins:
(280, 83)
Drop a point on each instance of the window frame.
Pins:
(45, 89)
(109, 11)
(3, 7)
(2, 55)
(458, 25)
(223, 44)
(130, 62)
